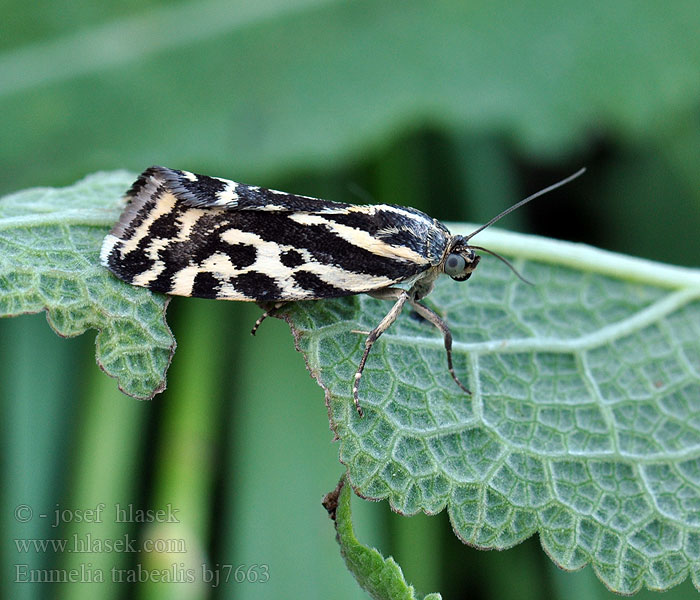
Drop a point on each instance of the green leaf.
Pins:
(584, 419)
(380, 577)
(583, 425)
(49, 260)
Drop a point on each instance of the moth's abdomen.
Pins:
(163, 243)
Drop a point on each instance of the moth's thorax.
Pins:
(410, 227)
(425, 283)
(437, 241)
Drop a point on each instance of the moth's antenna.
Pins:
(505, 260)
(546, 190)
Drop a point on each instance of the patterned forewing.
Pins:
(225, 251)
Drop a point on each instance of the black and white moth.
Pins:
(193, 235)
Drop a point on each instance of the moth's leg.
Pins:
(432, 316)
(401, 297)
(268, 313)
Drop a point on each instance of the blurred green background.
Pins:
(459, 108)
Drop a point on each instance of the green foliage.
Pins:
(313, 82)
(49, 260)
(583, 423)
(457, 107)
(380, 577)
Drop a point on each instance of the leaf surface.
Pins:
(50, 241)
(584, 419)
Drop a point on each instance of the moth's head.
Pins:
(460, 260)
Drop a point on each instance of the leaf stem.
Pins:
(583, 257)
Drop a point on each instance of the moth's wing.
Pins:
(166, 245)
(203, 191)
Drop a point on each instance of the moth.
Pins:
(193, 235)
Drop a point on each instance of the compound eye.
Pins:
(455, 265)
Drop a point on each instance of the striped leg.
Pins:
(401, 297)
(268, 313)
(431, 316)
